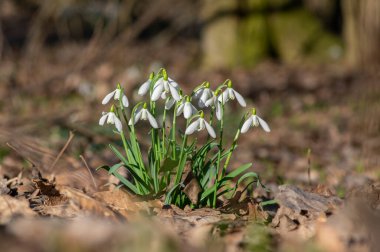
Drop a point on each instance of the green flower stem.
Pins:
(221, 127)
(155, 136)
(211, 120)
(130, 158)
(219, 157)
(173, 141)
(231, 150)
(181, 163)
(163, 134)
(136, 145)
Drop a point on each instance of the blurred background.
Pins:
(311, 67)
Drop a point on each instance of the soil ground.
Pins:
(50, 201)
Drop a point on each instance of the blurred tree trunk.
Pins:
(362, 31)
(235, 32)
(219, 36)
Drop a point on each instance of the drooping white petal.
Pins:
(263, 124)
(210, 130)
(144, 114)
(144, 88)
(201, 103)
(210, 101)
(136, 117)
(111, 118)
(218, 111)
(206, 94)
(159, 82)
(187, 110)
(255, 121)
(117, 94)
(223, 98)
(193, 110)
(231, 94)
(118, 124)
(157, 91)
(169, 103)
(152, 120)
(125, 101)
(103, 119)
(108, 97)
(239, 98)
(166, 85)
(180, 109)
(164, 95)
(173, 82)
(201, 124)
(246, 125)
(174, 93)
(192, 127)
(198, 93)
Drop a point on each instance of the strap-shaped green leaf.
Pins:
(236, 172)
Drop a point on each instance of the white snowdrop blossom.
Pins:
(203, 93)
(170, 101)
(230, 94)
(254, 121)
(199, 125)
(165, 86)
(144, 114)
(213, 101)
(116, 95)
(144, 88)
(187, 109)
(111, 118)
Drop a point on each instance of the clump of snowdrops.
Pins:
(176, 166)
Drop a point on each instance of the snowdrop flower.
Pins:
(199, 125)
(111, 119)
(144, 114)
(186, 108)
(231, 94)
(203, 93)
(116, 95)
(170, 101)
(213, 101)
(144, 88)
(254, 121)
(165, 85)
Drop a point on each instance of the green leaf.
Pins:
(268, 202)
(168, 197)
(208, 192)
(126, 182)
(236, 172)
(247, 175)
(168, 165)
(123, 180)
(131, 168)
(115, 167)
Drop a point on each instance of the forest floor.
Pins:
(328, 199)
